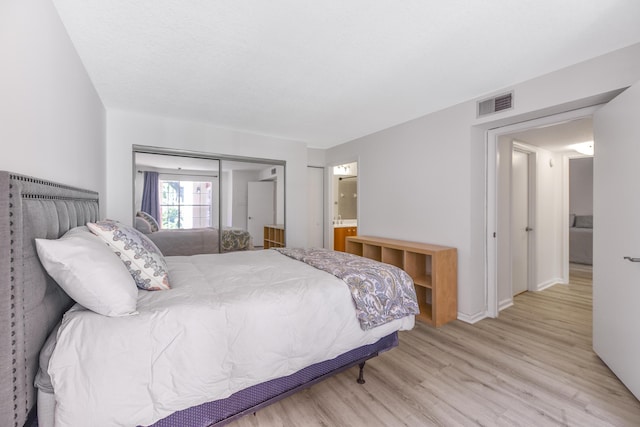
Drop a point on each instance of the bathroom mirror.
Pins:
(347, 197)
(345, 179)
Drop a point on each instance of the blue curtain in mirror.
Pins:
(150, 195)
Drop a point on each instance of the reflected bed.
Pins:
(193, 241)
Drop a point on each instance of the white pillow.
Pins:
(89, 272)
(141, 256)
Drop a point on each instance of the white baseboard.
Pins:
(544, 285)
(472, 318)
(505, 304)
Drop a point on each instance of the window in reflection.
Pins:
(185, 204)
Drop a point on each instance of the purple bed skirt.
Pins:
(223, 411)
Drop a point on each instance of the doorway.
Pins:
(344, 204)
(548, 238)
(615, 289)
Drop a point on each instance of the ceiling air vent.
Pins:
(495, 104)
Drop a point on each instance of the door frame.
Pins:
(330, 198)
(491, 192)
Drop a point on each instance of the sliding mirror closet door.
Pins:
(221, 203)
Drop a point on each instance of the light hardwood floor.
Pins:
(533, 366)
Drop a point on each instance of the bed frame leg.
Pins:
(360, 379)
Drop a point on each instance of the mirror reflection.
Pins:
(178, 192)
(253, 200)
(182, 201)
(345, 179)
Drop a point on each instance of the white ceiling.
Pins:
(558, 137)
(325, 72)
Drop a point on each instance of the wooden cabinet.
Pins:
(339, 236)
(433, 268)
(274, 236)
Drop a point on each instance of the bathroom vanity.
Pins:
(341, 230)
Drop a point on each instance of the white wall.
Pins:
(125, 129)
(414, 184)
(549, 218)
(316, 157)
(239, 200)
(581, 186)
(424, 180)
(52, 120)
(138, 189)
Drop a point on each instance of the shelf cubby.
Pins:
(393, 256)
(371, 251)
(354, 248)
(274, 236)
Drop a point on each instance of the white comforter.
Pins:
(230, 321)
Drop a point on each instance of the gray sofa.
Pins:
(581, 239)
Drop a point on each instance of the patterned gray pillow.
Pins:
(141, 256)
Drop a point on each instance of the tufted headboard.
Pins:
(31, 303)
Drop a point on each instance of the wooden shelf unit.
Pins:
(274, 236)
(433, 268)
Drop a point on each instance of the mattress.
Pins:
(229, 322)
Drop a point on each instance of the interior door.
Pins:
(260, 209)
(616, 235)
(519, 221)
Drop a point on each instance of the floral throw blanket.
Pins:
(381, 292)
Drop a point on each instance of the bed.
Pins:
(32, 304)
(193, 241)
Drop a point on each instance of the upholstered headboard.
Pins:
(31, 303)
